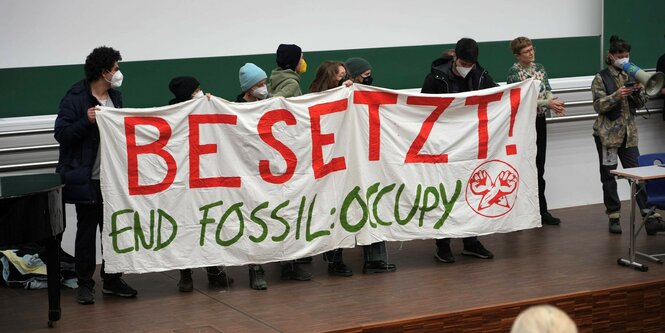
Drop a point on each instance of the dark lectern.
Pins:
(32, 210)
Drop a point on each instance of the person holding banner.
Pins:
(285, 79)
(185, 88)
(253, 85)
(332, 74)
(79, 165)
(375, 254)
(525, 68)
(360, 70)
(454, 74)
(616, 98)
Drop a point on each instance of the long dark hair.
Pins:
(326, 76)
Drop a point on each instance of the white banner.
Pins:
(211, 182)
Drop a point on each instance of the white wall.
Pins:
(62, 32)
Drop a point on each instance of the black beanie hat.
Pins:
(288, 56)
(183, 87)
(467, 50)
(357, 66)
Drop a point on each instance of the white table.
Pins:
(636, 176)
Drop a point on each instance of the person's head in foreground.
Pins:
(543, 319)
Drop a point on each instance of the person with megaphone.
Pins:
(616, 97)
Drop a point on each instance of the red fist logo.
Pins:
(492, 196)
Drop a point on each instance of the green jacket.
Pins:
(612, 132)
(284, 82)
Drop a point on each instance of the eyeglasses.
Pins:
(529, 50)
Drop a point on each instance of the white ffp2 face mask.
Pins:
(464, 71)
(116, 80)
(618, 63)
(260, 92)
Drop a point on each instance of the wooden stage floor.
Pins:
(555, 264)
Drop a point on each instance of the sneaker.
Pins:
(548, 219)
(339, 269)
(217, 277)
(444, 254)
(118, 287)
(654, 224)
(477, 250)
(186, 284)
(293, 271)
(615, 226)
(85, 295)
(256, 278)
(378, 266)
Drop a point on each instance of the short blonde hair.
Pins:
(519, 43)
(543, 319)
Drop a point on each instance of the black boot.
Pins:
(256, 278)
(547, 218)
(293, 271)
(615, 224)
(217, 277)
(654, 224)
(378, 266)
(186, 284)
(339, 269)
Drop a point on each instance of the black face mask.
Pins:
(368, 80)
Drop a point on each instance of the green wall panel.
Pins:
(641, 23)
(38, 90)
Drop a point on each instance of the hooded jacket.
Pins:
(285, 83)
(79, 141)
(441, 78)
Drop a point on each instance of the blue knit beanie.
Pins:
(250, 75)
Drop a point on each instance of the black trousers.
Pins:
(468, 241)
(373, 252)
(541, 145)
(628, 157)
(89, 217)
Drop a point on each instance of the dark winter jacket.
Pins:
(79, 141)
(441, 79)
(241, 98)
